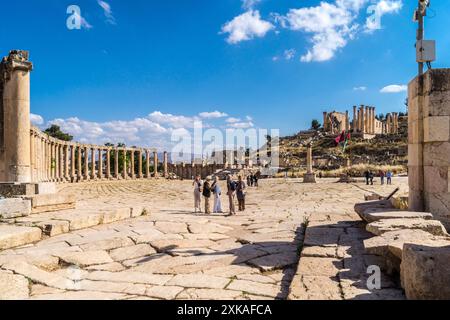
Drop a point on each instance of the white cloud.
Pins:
(331, 25)
(394, 88)
(233, 120)
(212, 115)
(250, 4)
(362, 88)
(380, 9)
(246, 27)
(107, 11)
(241, 125)
(175, 121)
(36, 119)
(289, 54)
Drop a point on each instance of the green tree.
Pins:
(55, 132)
(315, 125)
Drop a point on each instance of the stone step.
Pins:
(390, 244)
(373, 215)
(434, 227)
(26, 230)
(51, 202)
(377, 205)
(14, 207)
(14, 236)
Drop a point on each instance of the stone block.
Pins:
(9, 190)
(437, 104)
(413, 109)
(425, 272)
(53, 228)
(415, 131)
(437, 80)
(415, 178)
(13, 286)
(436, 129)
(436, 179)
(14, 207)
(436, 154)
(46, 188)
(415, 154)
(438, 204)
(116, 215)
(372, 216)
(14, 236)
(51, 202)
(378, 228)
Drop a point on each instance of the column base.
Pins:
(10, 190)
(309, 178)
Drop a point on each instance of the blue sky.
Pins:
(140, 68)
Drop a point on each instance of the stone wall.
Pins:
(429, 144)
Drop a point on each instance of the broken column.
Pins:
(355, 120)
(310, 176)
(429, 144)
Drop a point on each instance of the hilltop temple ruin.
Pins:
(364, 122)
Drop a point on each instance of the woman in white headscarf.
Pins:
(217, 193)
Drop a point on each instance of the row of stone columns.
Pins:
(52, 160)
(188, 171)
(364, 119)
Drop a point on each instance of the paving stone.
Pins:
(208, 294)
(321, 252)
(372, 216)
(130, 277)
(15, 236)
(116, 287)
(107, 244)
(13, 286)
(322, 236)
(164, 292)
(39, 276)
(251, 287)
(116, 215)
(256, 278)
(112, 267)
(275, 261)
(53, 228)
(131, 252)
(199, 281)
(311, 266)
(315, 288)
(39, 289)
(164, 245)
(171, 227)
(86, 258)
(80, 295)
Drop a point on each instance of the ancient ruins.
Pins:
(73, 226)
(364, 122)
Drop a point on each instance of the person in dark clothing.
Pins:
(249, 180)
(240, 192)
(367, 176)
(255, 180)
(207, 195)
(371, 176)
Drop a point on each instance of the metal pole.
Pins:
(420, 33)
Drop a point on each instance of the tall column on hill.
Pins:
(15, 119)
(310, 176)
(355, 120)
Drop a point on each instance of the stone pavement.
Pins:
(172, 253)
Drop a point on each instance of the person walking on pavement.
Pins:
(240, 191)
(197, 184)
(207, 194)
(217, 208)
(231, 192)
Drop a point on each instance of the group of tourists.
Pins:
(210, 188)
(252, 180)
(384, 176)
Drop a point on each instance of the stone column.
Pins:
(310, 176)
(147, 164)
(132, 167)
(100, 163)
(116, 164)
(361, 111)
(347, 122)
(108, 164)
(79, 163)
(93, 174)
(140, 164)
(429, 140)
(166, 171)
(325, 121)
(124, 169)
(15, 149)
(57, 163)
(155, 164)
(73, 162)
(66, 163)
(355, 120)
(86, 163)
